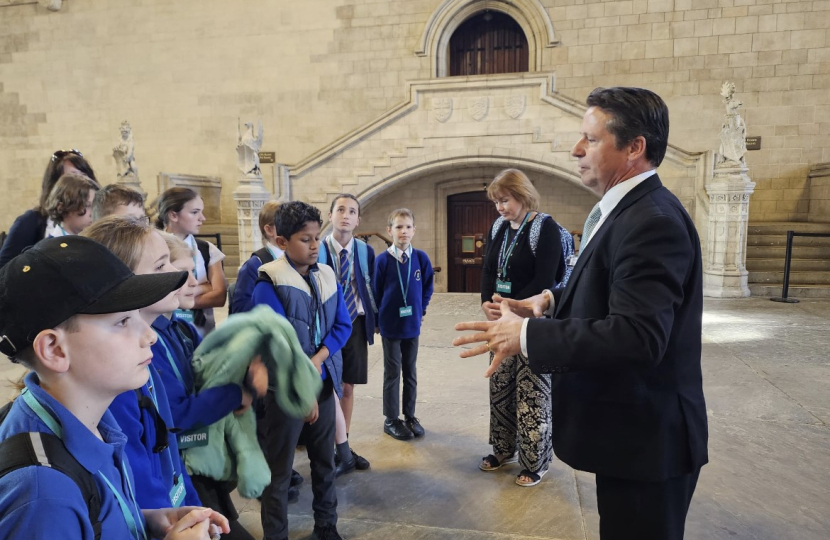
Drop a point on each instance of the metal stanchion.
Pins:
(788, 260)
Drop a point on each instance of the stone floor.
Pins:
(767, 382)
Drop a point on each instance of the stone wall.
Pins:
(819, 179)
(184, 72)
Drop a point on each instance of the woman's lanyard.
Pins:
(404, 292)
(506, 252)
(52, 423)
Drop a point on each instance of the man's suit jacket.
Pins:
(625, 340)
(362, 291)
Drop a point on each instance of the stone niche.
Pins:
(209, 189)
(819, 193)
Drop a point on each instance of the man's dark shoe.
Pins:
(396, 429)
(326, 532)
(415, 427)
(360, 463)
(293, 494)
(296, 478)
(344, 467)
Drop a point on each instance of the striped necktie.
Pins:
(590, 225)
(346, 281)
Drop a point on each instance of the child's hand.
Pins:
(247, 399)
(257, 377)
(186, 522)
(313, 415)
(320, 357)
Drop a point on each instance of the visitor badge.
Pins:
(405, 311)
(178, 492)
(193, 438)
(185, 315)
(503, 286)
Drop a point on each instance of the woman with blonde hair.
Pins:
(524, 256)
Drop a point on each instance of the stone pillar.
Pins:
(250, 195)
(724, 270)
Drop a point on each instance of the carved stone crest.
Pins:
(442, 108)
(515, 106)
(478, 107)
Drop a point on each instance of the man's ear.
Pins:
(282, 242)
(50, 349)
(637, 148)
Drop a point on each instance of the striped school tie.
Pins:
(590, 225)
(348, 290)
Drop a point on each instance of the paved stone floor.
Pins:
(767, 383)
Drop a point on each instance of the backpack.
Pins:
(199, 318)
(363, 260)
(565, 238)
(37, 449)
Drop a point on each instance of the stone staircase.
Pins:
(230, 246)
(766, 253)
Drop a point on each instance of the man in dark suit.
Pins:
(625, 334)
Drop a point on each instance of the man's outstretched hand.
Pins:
(501, 337)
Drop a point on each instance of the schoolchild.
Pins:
(403, 288)
(118, 200)
(308, 295)
(144, 415)
(193, 413)
(353, 261)
(29, 228)
(249, 271)
(180, 212)
(69, 205)
(69, 312)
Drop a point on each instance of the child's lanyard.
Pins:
(405, 292)
(336, 262)
(316, 338)
(172, 362)
(52, 423)
(63, 230)
(504, 257)
(152, 391)
(194, 249)
(271, 251)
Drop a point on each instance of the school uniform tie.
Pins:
(404, 258)
(348, 290)
(590, 225)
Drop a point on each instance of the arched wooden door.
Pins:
(469, 216)
(487, 43)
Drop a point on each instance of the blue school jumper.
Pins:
(389, 296)
(188, 410)
(159, 471)
(360, 281)
(289, 294)
(40, 502)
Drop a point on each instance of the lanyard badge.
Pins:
(405, 311)
(503, 285)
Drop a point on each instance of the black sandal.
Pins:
(492, 463)
(534, 477)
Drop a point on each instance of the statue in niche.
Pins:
(247, 150)
(124, 154)
(733, 131)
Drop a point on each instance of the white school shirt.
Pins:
(335, 264)
(216, 256)
(607, 204)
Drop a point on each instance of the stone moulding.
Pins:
(531, 15)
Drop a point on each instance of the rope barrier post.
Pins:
(787, 261)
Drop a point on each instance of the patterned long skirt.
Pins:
(520, 413)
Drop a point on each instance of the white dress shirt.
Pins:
(607, 204)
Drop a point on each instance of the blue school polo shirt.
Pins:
(39, 502)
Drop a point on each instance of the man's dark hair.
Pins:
(292, 217)
(635, 112)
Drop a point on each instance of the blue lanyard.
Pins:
(400, 279)
(504, 257)
(63, 230)
(316, 337)
(172, 362)
(271, 251)
(52, 423)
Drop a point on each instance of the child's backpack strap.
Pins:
(36, 449)
(204, 249)
(363, 260)
(264, 255)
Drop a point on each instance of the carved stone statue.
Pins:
(247, 150)
(124, 155)
(733, 132)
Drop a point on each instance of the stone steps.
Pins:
(230, 246)
(766, 254)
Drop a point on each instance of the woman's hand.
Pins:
(491, 310)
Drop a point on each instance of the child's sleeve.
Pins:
(245, 282)
(377, 279)
(197, 410)
(342, 327)
(264, 293)
(428, 276)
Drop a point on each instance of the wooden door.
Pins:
(469, 217)
(487, 43)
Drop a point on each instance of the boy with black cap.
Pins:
(69, 312)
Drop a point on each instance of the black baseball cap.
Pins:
(58, 278)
